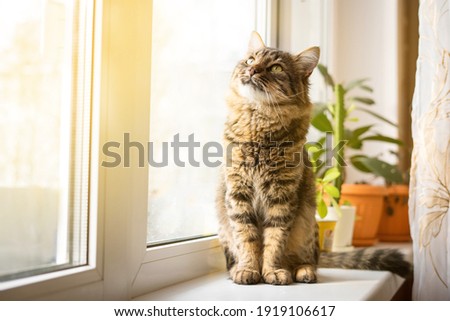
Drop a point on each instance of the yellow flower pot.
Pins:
(326, 230)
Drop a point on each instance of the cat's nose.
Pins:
(252, 71)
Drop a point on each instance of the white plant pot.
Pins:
(343, 232)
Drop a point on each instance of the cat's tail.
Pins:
(367, 259)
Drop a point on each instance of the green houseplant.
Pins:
(334, 118)
(326, 193)
(335, 221)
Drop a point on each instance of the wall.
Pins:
(303, 24)
(364, 45)
(358, 39)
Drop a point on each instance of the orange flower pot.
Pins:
(369, 202)
(394, 225)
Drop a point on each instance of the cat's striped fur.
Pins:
(266, 200)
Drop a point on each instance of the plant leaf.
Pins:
(324, 71)
(331, 190)
(355, 143)
(322, 123)
(350, 109)
(336, 207)
(352, 138)
(382, 138)
(347, 134)
(364, 100)
(331, 108)
(322, 140)
(312, 149)
(315, 152)
(322, 209)
(361, 130)
(380, 168)
(331, 175)
(366, 88)
(358, 164)
(316, 156)
(376, 115)
(395, 153)
(355, 83)
(319, 196)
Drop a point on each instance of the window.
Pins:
(195, 46)
(45, 66)
(87, 205)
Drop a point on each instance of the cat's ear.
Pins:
(255, 42)
(308, 60)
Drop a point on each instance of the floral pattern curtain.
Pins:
(430, 169)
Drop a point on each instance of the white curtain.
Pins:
(430, 171)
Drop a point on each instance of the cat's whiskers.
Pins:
(281, 93)
(277, 109)
(272, 102)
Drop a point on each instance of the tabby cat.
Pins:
(266, 199)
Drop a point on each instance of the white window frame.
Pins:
(118, 197)
(120, 266)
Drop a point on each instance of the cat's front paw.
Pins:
(306, 274)
(278, 277)
(245, 276)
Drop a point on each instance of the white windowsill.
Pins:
(333, 284)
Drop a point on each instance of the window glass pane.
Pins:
(44, 125)
(196, 45)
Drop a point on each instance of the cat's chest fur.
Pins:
(256, 140)
(252, 124)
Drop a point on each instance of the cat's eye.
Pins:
(250, 61)
(276, 68)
